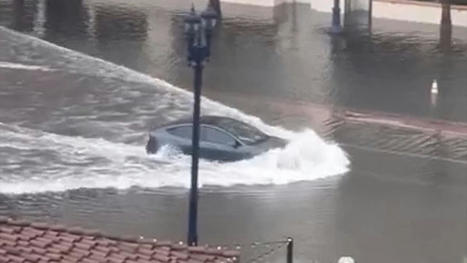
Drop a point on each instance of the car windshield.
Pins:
(245, 133)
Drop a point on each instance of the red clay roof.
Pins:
(25, 242)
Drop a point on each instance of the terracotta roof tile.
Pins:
(131, 255)
(51, 233)
(7, 230)
(88, 260)
(191, 260)
(161, 251)
(25, 248)
(203, 258)
(71, 258)
(163, 244)
(24, 242)
(58, 228)
(180, 255)
(16, 259)
(32, 258)
(39, 251)
(35, 225)
(179, 247)
(161, 257)
(146, 251)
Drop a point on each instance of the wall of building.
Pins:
(414, 11)
(405, 10)
(264, 3)
(345, 5)
(326, 5)
(356, 5)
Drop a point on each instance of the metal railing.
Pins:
(265, 251)
(258, 252)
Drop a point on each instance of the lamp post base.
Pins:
(336, 29)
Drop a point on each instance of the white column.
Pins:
(326, 5)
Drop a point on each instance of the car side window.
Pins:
(182, 131)
(216, 136)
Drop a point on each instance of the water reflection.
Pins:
(114, 23)
(445, 30)
(119, 28)
(24, 11)
(18, 14)
(66, 19)
(407, 63)
(288, 56)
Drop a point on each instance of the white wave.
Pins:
(306, 158)
(10, 65)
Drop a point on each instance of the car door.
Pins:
(218, 145)
(181, 138)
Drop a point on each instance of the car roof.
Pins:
(219, 122)
(205, 119)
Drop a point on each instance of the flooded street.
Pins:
(375, 167)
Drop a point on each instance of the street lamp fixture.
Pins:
(198, 31)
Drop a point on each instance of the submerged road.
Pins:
(73, 129)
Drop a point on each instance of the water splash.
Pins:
(97, 163)
(10, 65)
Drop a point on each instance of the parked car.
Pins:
(221, 138)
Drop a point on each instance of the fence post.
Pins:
(289, 250)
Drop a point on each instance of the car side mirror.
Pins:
(236, 144)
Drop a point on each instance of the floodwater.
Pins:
(375, 168)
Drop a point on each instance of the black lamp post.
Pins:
(198, 30)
